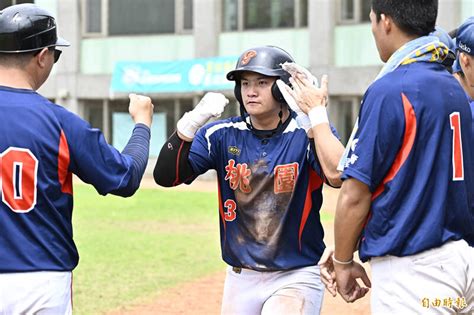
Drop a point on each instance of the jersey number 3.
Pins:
(458, 164)
(18, 176)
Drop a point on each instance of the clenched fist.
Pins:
(141, 109)
(211, 105)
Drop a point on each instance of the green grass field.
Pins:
(132, 249)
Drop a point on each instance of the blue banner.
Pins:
(206, 74)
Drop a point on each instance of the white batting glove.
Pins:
(211, 105)
(292, 68)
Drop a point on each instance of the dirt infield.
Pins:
(203, 296)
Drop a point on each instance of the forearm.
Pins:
(351, 215)
(172, 166)
(329, 151)
(138, 148)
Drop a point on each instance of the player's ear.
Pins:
(464, 60)
(387, 22)
(42, 57)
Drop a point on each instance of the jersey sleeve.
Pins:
(92, 159)
(378, 138)
(202, 155)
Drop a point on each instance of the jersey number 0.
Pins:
(18, 173)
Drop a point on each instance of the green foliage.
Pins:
(132, 248)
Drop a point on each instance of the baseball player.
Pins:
(269, 183)
(41, 146)
(464, 65)
(408, 179)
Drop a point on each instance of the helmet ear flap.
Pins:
(275, 90)
(285, 77)
(277, 94)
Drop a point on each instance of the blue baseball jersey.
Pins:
(270, 194)
(471, 106)
(41, 145)
(413, 150)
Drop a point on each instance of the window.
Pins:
(93, 16)
(263, 14)
(93, 113)
(138, 17)
(354, 11)
(7, 3)
(141, 17)
(188, 15)
(230, 15)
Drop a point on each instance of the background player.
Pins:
(464, 66)
(408, 190)
(41, 145)
(269, 182)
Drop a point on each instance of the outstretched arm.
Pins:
(172, 167)
(138, 146)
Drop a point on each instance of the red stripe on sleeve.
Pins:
(176, 181)
(314, 183)
(64, 176)
(407, 145)
(221, 208)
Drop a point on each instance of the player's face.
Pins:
(378, 33)
(467, 66)
(257, 96)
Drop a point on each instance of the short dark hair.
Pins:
(17, 60)
(413, 17)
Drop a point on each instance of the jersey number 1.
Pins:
(18, 173)
(458, 164)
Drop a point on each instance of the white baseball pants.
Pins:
(298, 291)
(436, 281)
(42, 293)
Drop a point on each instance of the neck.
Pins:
(399, 39)
(270, 120)
(16, 78)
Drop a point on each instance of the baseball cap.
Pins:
(465, 37)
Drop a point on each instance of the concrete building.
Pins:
(327, 36)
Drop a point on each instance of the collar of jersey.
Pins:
(262, 134)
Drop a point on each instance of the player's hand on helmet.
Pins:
(301, 118)
(306, 94)
(141, 109)
(293, 96)
(346, 279)
(211, 105)
(293, 69)
(328, 276)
